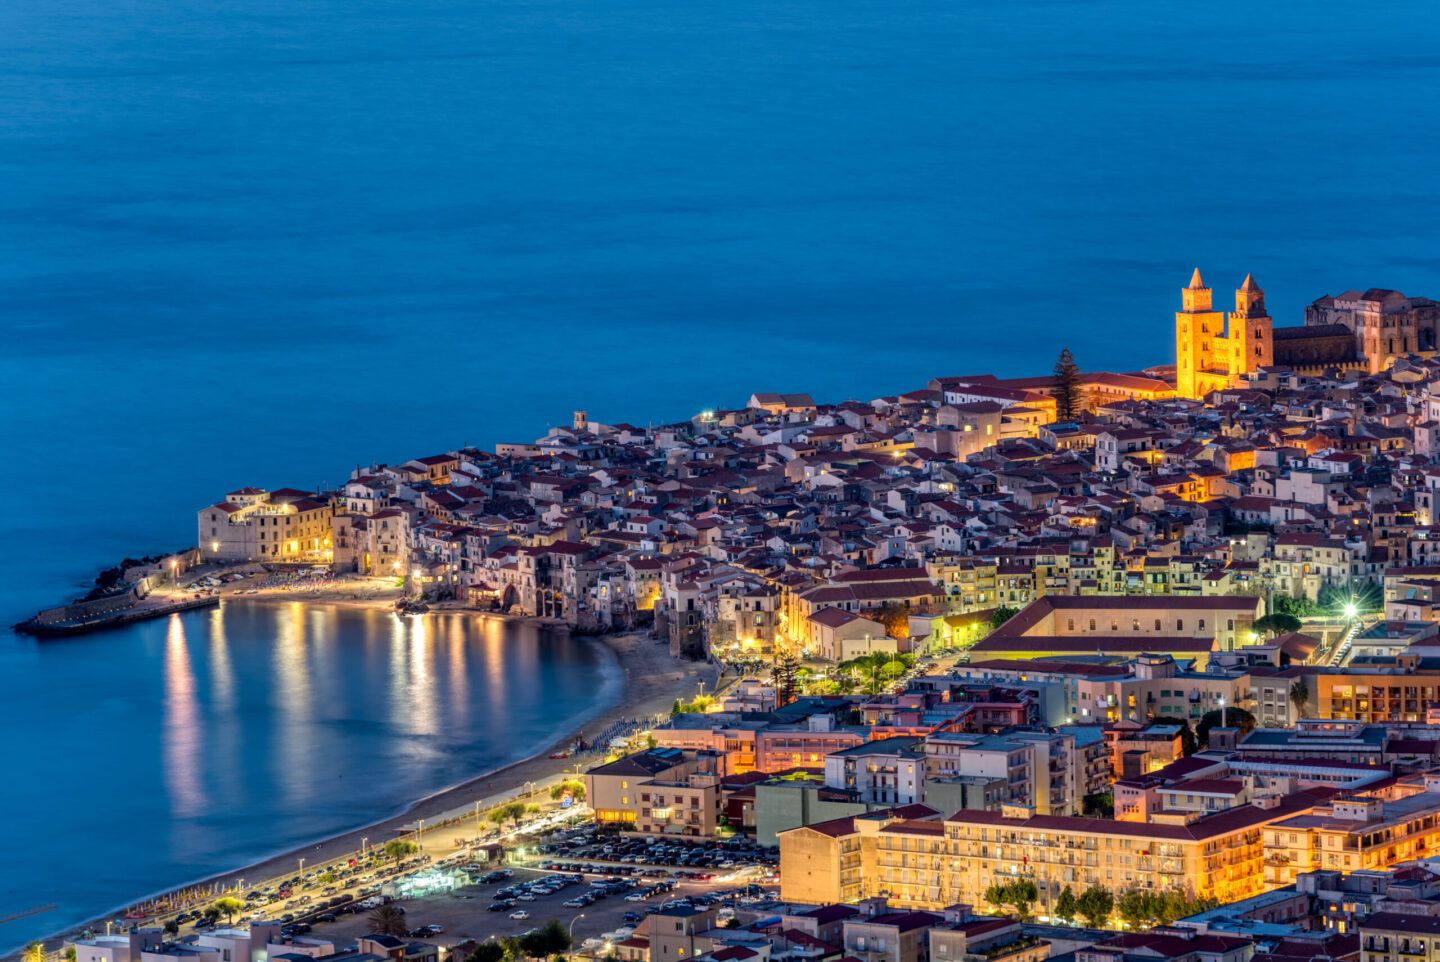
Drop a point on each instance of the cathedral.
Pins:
(1355, 331)
(1212, 349)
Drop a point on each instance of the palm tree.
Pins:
(34, 952)
(387, 920)
(1299, 696)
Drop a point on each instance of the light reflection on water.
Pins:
(183, 735)
(219, 737)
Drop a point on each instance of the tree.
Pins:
(866, 670)
(487, 952)
(895, 616)
(400, 847)
(387, 920)
(575, 787)
(1066, 907)
(1299, 696)
(1134, 908)
(171, 928)
(1234, 718)
(675, 708)
(1099, 805)
(1020, 893)
(1095, 905)
(496, 815)
(1002, 614)
(229, 905)
(514, 811)
(550, 939)
(212, 914)
(1301, 607)
(784, 672)
(1276, 624)
(34, 952)
(1068, 401)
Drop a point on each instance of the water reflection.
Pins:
(183, 735)
(293, 735)
(222, 675)
(231, 735)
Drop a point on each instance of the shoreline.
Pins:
(648, 680)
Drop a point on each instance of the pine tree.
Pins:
(785, 672)
(1067, 387)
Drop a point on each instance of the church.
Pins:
(1213, 349)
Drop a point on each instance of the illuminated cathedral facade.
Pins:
(1212, 348)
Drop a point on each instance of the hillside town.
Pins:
(1111, 666)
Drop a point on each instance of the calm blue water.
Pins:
(258, 241)
(164, 752)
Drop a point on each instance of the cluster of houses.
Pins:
(1129, 725)
(901, 523)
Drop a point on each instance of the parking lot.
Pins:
(704, 857)
(603, 882)
(466, 914)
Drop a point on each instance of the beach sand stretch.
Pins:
(652, 680)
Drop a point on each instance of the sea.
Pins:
(261, 242)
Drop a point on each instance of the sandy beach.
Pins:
(653, 679)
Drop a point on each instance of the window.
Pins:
(1202, 624)
(1157, 624)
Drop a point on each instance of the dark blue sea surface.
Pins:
(260, 241)
(165, 752)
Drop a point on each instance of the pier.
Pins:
(110, 612)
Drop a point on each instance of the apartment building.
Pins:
(1043, 770)
(1370, 831)
(661, 790)
(926, 864)
(887, 771)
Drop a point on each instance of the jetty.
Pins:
(138, 602)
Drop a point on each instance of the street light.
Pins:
(572, 926)
(1351, 610)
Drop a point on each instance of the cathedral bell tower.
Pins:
(1251, 330)
(1196, 327)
